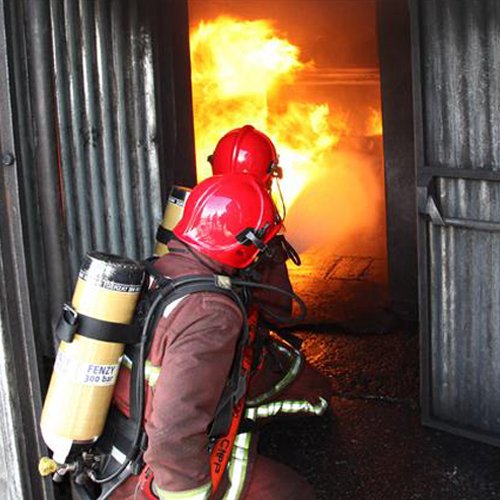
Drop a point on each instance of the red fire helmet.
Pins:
(229, 218)
(245, 150)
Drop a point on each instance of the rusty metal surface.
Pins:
(457, 55)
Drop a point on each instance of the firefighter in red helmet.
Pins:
(246, 150)
(286, 383)
(227, 223)
(230, 223)
(286, 376)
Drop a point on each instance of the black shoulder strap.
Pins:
(178, 288)
(163, 235)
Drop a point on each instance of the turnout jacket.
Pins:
(187, 368)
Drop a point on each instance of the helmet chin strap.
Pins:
(252, 236)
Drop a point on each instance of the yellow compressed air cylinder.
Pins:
(172, 215)
(85, 370)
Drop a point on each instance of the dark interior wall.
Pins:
(397, 109)
(173, 74)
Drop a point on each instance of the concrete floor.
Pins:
(343, 290)
(371, 445)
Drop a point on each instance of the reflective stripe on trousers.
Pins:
(201, 493)
(238, 465)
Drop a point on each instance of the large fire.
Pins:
(236, 67)
(239, 68)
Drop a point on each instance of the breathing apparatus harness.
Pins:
(163, 292)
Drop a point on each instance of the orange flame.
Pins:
(375, 122)
(238, 67)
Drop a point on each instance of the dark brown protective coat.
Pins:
(195, 346)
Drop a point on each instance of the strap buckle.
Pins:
(250, 236)
(222, 281)
(70, 314)
(67, 324)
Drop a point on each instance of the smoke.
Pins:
(341, 210)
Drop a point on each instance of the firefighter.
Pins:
(227, 222)
(287, 384)
(243, 150)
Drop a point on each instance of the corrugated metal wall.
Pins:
(106, 127)
(461, 60)
(458, 67)
(104, 115)
(20, 391)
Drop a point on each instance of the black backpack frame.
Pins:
(155, 299)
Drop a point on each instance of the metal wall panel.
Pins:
(107, 127)
(461, 82)
(104, 127)
(465, 308)
(457, 81)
